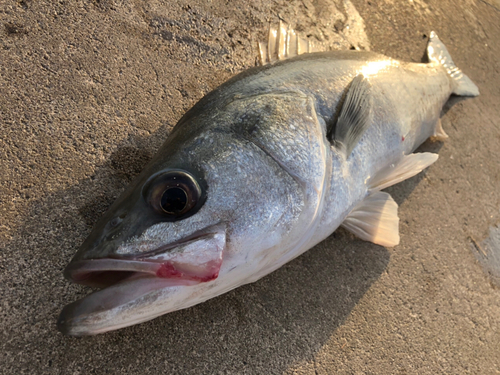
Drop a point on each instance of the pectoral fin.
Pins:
(375, 219)
(407, 167)
(354, 116)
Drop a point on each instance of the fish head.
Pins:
(199, 220)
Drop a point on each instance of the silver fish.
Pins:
(257, 172)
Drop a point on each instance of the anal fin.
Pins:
(407, 167)
(375, 219)
(439, 133)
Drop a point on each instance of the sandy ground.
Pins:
(88, 92)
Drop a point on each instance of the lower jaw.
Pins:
(95, 313)
(140, 298)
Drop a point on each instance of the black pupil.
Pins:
(174, 200)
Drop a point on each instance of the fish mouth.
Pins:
(131, 283)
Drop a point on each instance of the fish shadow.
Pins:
(264, 327)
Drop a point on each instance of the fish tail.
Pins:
(437, 53)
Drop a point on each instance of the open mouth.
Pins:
(129, 282)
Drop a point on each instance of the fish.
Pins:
(257, 172)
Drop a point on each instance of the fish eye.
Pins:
(174, 200)
(175, 194)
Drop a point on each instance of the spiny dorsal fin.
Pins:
(375, 219)
(354, 117)
(283, 42)
(407, 167)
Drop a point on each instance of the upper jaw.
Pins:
(197, 257)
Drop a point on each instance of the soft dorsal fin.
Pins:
(375, 219)
(354, 117)
(407, 167)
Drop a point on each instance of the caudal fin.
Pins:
(437, 53)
